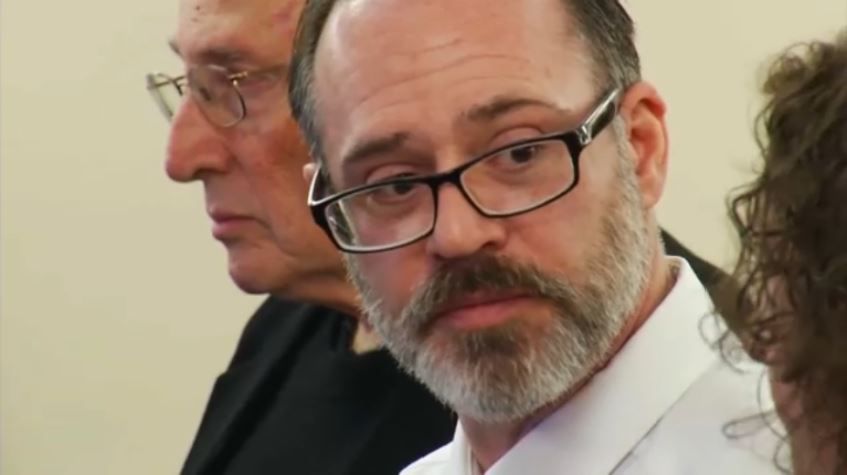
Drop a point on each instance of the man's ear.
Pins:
(309, 170)
(643, 112)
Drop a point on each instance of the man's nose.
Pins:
(460, 230)
(195, 145)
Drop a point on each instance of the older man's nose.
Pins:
(194, 146)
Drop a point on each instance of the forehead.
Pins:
(396, 35)
(246, 30)
(379, 58)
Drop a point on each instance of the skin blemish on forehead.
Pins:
(197, 13)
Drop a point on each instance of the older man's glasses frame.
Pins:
(218, 91)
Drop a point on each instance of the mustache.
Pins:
(485, 273)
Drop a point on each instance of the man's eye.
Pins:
(523, 154)
(400, 189)
(204, 93)
(528, 157)
(394, 192)
(393, 195)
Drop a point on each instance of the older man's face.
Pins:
(251, 172)
(497, 316)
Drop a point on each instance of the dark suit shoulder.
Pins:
(278, 319)
(271, 343)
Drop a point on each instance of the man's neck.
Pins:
(332, 290)
(489, 442)
(365, 339)
(338, 294)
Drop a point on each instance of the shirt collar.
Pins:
(596, 430)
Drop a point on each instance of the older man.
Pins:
(308, 391)
(492, 169)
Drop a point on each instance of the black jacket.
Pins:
(294, 400)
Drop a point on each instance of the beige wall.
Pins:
(116, 310)
(707, 58)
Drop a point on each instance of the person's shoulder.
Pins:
(278, 320)
(435, 463)
(725, 418)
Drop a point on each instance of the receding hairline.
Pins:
(603, 29)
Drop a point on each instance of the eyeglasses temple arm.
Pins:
(600, 118)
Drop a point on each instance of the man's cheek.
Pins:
(387, 283)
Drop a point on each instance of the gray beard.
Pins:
(508, 372)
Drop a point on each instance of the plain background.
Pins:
(117, 313)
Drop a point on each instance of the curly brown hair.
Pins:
(788, 297)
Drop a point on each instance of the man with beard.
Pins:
(491, 170)
(308, 390)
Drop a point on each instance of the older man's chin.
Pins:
(255, 270)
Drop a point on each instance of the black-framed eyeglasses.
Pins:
(511, 180)
(216, 90)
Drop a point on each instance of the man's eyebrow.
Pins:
(218, 55)
(372, 147)
(501, 105)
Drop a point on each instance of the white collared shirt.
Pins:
(658, 408)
